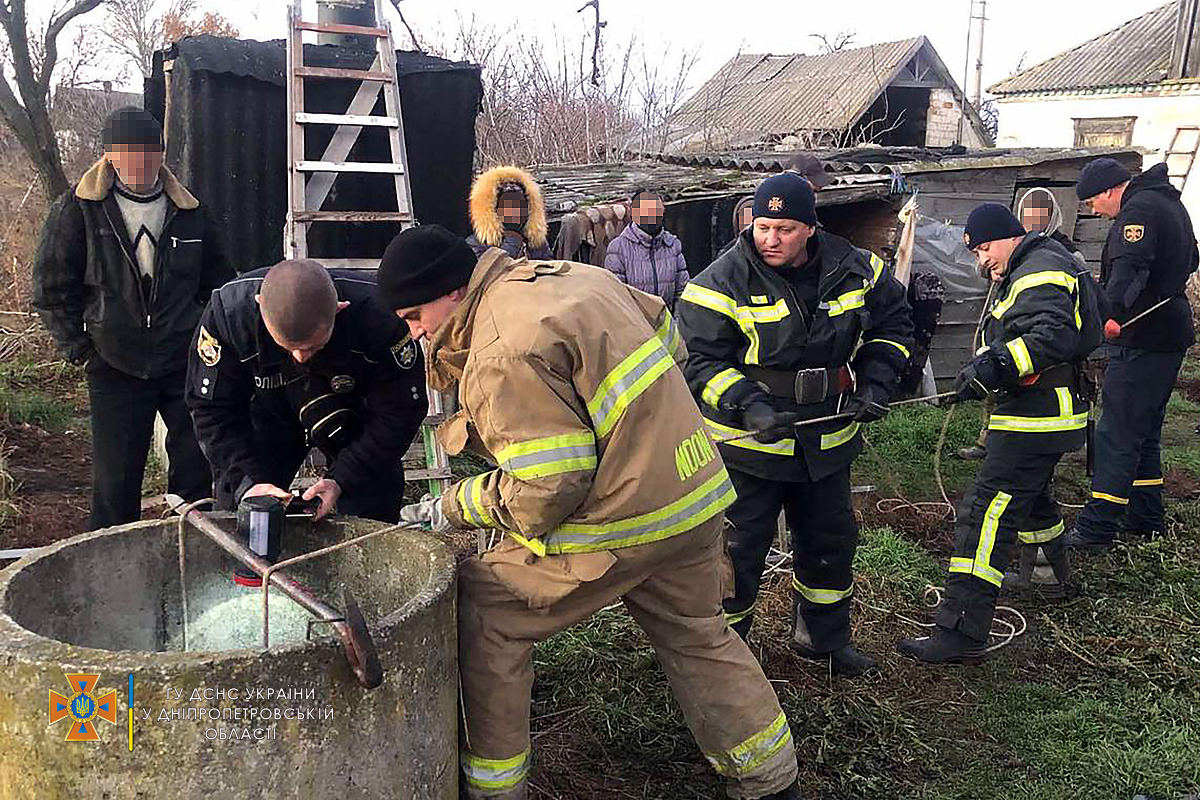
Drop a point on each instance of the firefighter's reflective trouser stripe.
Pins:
(824, 535)
(1127, 486)
(1011, 499)
(509, 600)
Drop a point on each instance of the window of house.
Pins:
(1104, 131)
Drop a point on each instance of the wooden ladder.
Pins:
(309, 182)
(1190, 155)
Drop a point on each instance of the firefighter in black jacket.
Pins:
(296, 357)
(795, 323)
(1149, 256)
(126, 263)
(1036, 337)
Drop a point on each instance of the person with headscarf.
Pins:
(507, 212)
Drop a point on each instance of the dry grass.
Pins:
(23, 209)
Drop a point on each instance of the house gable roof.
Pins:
(758, 96)
(1136, 53)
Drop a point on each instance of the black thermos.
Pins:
(260, 524)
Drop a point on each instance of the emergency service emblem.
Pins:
(405, 353)
(1134, 233)
(84, 707)
(775, 204)
(342, 384)
(208, 347)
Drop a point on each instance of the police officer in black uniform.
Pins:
(1149, 256)
(1036, 337)
(296, 357)
(795, 323)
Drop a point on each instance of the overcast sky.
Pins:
(1033, 29)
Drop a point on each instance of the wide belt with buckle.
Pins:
(805, 386)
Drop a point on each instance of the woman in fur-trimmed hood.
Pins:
(507, 212)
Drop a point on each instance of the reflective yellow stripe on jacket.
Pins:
(786, 447)
(470, 500)
(1021, 357)
(749, 755)
(551, 455)
(697, 506)
(896, 345)
(626, 382)
(1066, 420)
(746, 317)
(494, 774)
(1052, 278)
(719, 384)
(668, 334)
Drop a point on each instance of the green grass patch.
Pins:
(896, 559)
(18, 405)
(902, 446)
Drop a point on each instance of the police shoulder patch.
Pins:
(208, 348)
(1134, 233)
(405, 353)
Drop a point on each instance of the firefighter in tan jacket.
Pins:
(606, 487)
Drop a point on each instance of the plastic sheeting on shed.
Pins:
(939, 248)
(227, 141)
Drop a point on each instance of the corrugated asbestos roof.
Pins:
(588, 184)
(778, 95)
(889, 160)
(1134, 54)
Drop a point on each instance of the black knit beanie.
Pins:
(131, 126)
(1099, 176)
(422, 264)
(786, 196)
(989, 222)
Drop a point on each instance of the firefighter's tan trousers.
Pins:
(509, 600)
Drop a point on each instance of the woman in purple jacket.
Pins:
(647, 257)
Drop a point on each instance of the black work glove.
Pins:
(768, 425)
(982, 375)
(867, 405)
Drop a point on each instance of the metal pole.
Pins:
(979, 59)
(962, 90)
(804, 423)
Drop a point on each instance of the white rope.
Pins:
(1004, 636)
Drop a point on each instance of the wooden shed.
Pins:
(870, 186)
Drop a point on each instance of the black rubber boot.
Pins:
(846, 661)
(944, 646)
(1078, 540)
(1018, 583)
(1031, 580)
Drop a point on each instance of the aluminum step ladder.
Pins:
(1180, 151)
(310, 182)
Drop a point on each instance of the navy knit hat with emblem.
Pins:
(1100, 176)
(422, 264)
(786, 196)
(989, 222)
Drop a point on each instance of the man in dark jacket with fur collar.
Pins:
(126, 263)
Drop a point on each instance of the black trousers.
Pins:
(1128, 480)
(1011, 499)
(122, 412)
(824, 537)
(282, 449)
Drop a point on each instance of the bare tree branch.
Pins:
(52, 32)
